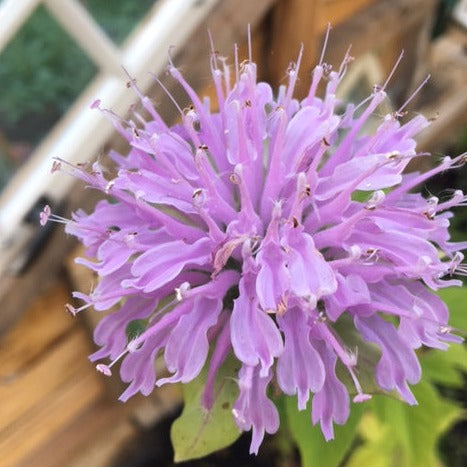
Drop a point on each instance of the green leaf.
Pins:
(314, 449)
(135, 328)
(443, 366)
(197, 433)
(378, 446)
(369, 355)
(456, 300)
(360, 196)
(407, 435)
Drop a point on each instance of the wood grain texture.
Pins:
(91, 439)
(55, 408)
(385, 29)
(25, 344)
(376, 25)
(337, 11)
(46, 379)
(297, 22)
(445, 96)
(293, 24)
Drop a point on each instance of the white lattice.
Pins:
(82, 132)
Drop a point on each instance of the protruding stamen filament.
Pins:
(106, 369)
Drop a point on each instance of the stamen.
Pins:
(165, 322)
(456, 266)
(74, 311)
(414, 94)
(447, 162)
(109, 186)
(458, 199)
(355, 254)
(346, 60)
(245, 199)
(250, 54)
(199, 201)
(301, 194)
(44, 215)
(168, 93)
(106, 369)
(346, 357)
(293, 75)
(376, 199)
(323, 50)
(56, 166)
(237, 69)
(372, 256)
(181, 292)
(96, 104)
(394, 68)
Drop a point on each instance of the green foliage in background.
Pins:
(314, 450)
(44, 70)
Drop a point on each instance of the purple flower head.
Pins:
(263, 230)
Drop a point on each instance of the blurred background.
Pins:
(56, 58)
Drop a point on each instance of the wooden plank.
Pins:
(96, 434)
(40, 275)
(375, 26)
(293, 24)
(297, 22)
(337, 11)
(445, 96)
(42, 326)
(46, 397)
(93, 436)
(450, 116)
(53, 370)
(386, 28)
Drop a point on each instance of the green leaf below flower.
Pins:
(456, 299)
(314, 450)
(197, 433)
(398, 434)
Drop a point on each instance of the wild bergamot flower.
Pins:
(252, 230)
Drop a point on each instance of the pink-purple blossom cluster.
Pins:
(251, 230)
